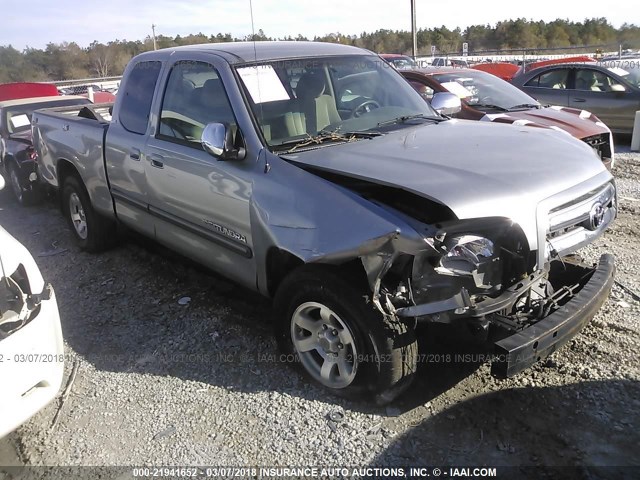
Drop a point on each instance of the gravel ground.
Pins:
(161, 383)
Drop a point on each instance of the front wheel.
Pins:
(341, 341)
(93, 232)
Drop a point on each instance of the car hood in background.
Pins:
(476, 169)
(578, 123)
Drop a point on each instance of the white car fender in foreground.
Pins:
(31, 355)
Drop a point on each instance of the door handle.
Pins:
(579, 100)
(134, 154)
(156, 161)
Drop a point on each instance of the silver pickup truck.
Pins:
(315, 174)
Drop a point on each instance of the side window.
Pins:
(194, 97)
(551, 79)
(138, 93)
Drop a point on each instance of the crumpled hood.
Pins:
(476, 169)
(579, 123)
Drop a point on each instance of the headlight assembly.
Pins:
(469, 256)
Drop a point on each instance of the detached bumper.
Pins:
(31, 367)
(521, 350)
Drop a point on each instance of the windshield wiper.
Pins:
(489, 105)
(326, 136)
(526, 105)
(406, 118)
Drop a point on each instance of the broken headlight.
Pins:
(470, 256)
(465, 252)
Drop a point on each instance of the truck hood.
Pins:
(579, 123)
(476, 169)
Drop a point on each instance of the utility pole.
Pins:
(414, 49)
(153, 29)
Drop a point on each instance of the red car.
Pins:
(486, 97)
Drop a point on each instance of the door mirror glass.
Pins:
(217, 140)
(616, 87)
(446, 103)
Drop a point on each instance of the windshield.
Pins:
(18, 117)
(483, 90)
(295, 100)
(402, 62)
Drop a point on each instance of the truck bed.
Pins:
(75, 134)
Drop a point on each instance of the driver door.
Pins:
(201, 204)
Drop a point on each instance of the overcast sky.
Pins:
(35, 23)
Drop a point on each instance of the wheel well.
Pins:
(64, 169)
(281, 263)
(10, 160)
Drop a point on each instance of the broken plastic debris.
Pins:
(184, 301)
(336, 416)
(170, 430)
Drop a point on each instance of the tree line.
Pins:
(68, 60)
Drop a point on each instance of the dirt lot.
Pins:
(161, 383)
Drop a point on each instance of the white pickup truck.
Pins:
(316, 175)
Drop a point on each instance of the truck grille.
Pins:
(578, 222)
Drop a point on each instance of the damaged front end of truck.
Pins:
(483, 273)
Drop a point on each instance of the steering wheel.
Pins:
(364, 107)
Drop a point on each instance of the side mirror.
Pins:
(616, 87)
(1, 182)
(446, 103)
(217, 140)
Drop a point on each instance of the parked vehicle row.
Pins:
(609, 90)
(310, 173)
(17, 155)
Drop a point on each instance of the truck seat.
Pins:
(319, 108)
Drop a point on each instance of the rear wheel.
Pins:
(339, 340)
(93, 232)
(24, 196)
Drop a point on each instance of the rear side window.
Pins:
(138, 93)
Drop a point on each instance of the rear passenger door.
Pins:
(550, 86)
(125, 144)
(200, 204)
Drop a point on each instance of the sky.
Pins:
(35, 23)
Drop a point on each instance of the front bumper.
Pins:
(31, 367)
(521, 350)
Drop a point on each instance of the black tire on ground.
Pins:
(386, 349)
(97, 233)
(23, 196)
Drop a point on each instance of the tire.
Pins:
(23, 196)
(360, 353)
(93, 232)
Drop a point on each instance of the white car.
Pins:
(31, 346)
